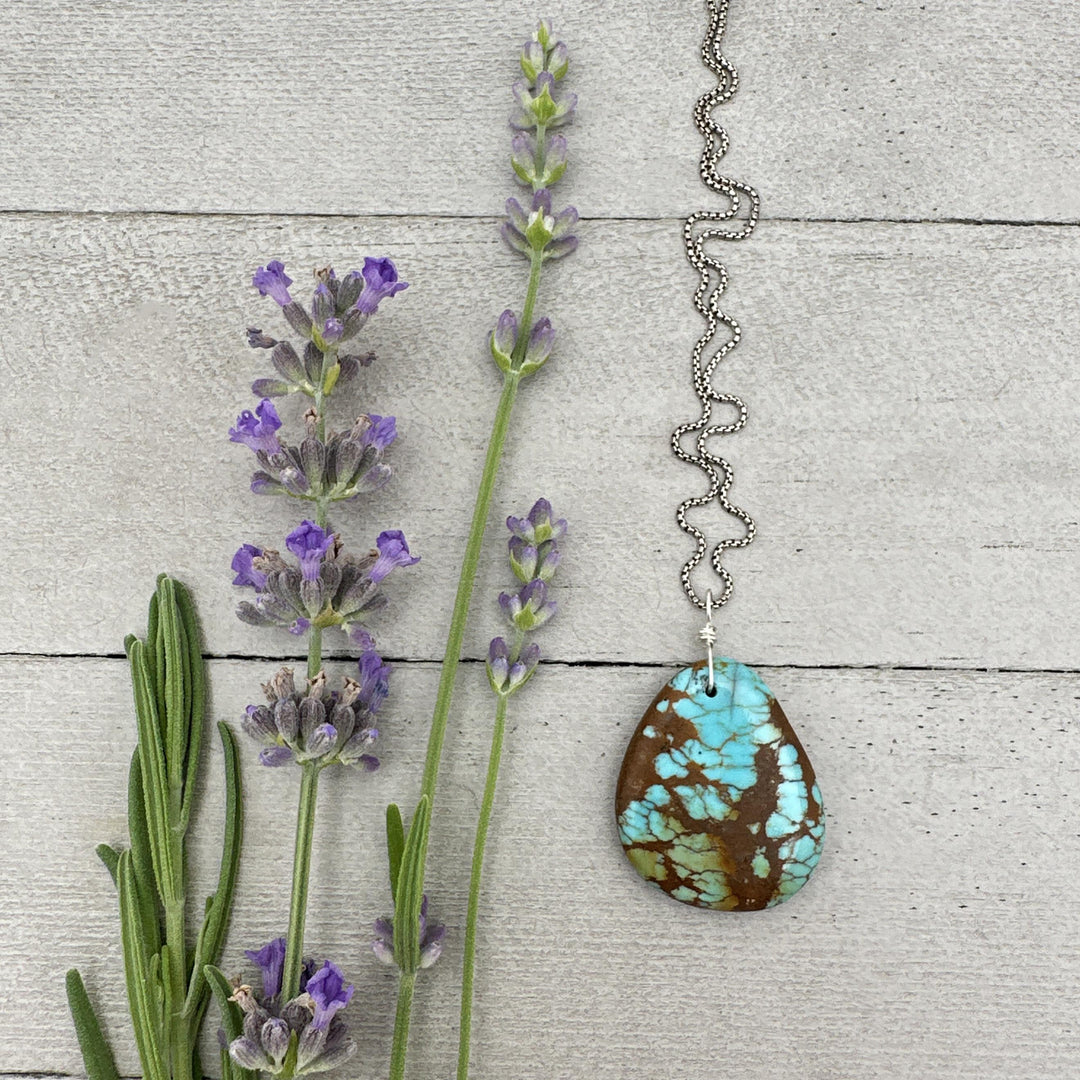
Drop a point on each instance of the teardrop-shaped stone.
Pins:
(717, 802)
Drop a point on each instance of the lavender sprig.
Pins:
(317, 586)
(520, 346)
(533, 556)
(281, 1035)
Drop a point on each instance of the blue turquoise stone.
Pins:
(717, 802)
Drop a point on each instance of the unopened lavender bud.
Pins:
(548, 561)
(432, 949)
(383, 945)
(541, 340)
(275, 1040)
(521, 670)
(248, 1054)
(554, 161)
(322, 305)
(524, 559)
(352, 284)
(312, 716)
(258, 722)
(287, 719)
(313, 361)
(523, 158)
(503, 339)
(544, 33)
(297, 318)
(533, 56)
(558, 61)
(309, 1046)
(322, 741)
(539, 525)
(268, 388)
(498, 664)
(514, 238)
(332, 330)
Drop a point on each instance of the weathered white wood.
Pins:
(938, 939)
(910, 458)
(906, 109)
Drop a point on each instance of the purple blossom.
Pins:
(530, 607)
(270, 960)
(381, 433)
(256, 430)
(393, 552)
(431, 939)
(504, 338)
(539, 525)
(332, 330)
(374, 680)
(541, 339)
(271, 280)
(380, 281)
(329, 992)
(246, 574)
(274, 757)
(300, 626)
(309, 544)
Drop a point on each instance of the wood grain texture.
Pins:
(849, 109)
(936, 940)
(910, 458)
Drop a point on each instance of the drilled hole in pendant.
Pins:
(711, 691)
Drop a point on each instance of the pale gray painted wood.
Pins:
(905, 109)
(937, 940)
(911, 456)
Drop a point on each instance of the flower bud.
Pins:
(503, 339)
(541, 339)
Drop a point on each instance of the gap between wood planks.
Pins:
(657, 664)
(493, 218)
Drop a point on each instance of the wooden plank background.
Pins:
(909, 304)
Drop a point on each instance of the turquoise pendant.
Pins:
(717, 802)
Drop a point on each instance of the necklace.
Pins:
(717, 803)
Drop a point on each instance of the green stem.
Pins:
(305, 825)
(466, 582)
(469, 971)
(406, 984)
(179, 1031)
(462, 600)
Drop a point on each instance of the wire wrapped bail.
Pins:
(708, 634)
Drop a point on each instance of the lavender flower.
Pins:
(380, 281)
(257, 430)
(270, 960)
(327, 588)
(246, 574)
(321, 725)
(507, 675)
(431, 939)
(338, 468)
(393, 552)
(271, 280)
(529, 608)
(309, 544)
(309, 1022)
(328, 990)
(534, 556)
(539, 525)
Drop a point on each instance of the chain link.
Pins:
(742, 214)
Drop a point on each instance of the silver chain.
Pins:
(742, 211)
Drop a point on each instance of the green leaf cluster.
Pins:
(167, 982)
